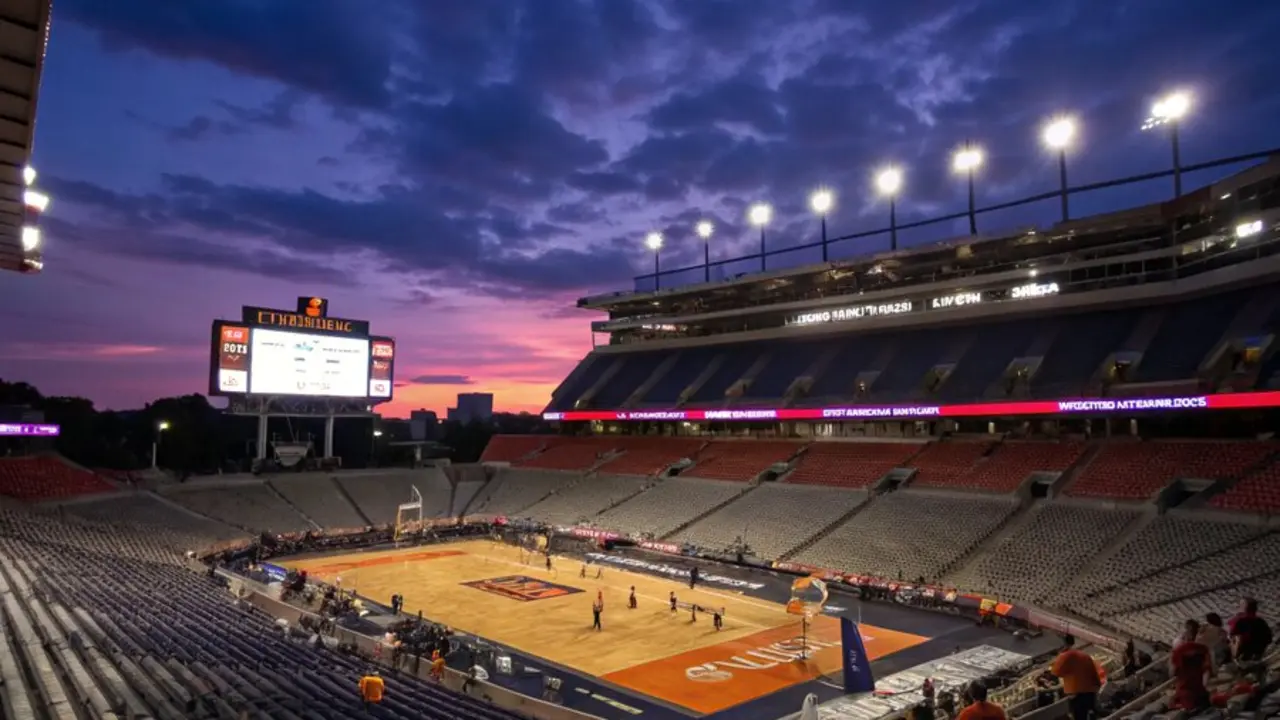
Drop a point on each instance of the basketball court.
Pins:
(483, 588)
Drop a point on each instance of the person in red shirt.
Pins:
(1191, 663)
(980, 709)
(1250, 634)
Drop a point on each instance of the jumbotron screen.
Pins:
(339, 361)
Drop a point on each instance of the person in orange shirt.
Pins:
(1081, 679)
(980, 708)
(371, 688)
(437, 666)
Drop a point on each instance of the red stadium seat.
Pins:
(1259, 492)
(741, 459)
(1137, 470)
(573, 453)
(650, 455)
(850, 464)
(47, 478)
(1004, 469)
(509, 448)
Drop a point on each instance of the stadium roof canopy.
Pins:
(24, 35)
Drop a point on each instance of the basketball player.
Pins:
(596, 609)
(673, 601)
(693, 577)
(583, 572)
(548, 561)
(717, 620)
(631, 601)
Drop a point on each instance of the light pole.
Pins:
(1169, 110)
(653, 241)
(967, 161)
(704, 228)
(162, 426)
(373, 446)
(821, 201)
(1058, 134)
(888, 184)
(760, 215)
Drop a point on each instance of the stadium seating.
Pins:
(581, 501)
(941, 463)
(850, 464)
(1258, 492)
(1187, 334)
(772, 519)
(650, 455)
(989, 353)
(1137, 470)
(1054, 540)
(102, 621)
(733, 364)
(689, 364)
(574, 386)
(568, 454)
(1011, 463)
(318, 499)
(509, 448)
(151, 513)
(784, 366)
(513, 490)
(633, 369)
(909, 534)
(47, 478)
(735, 460)
(378, 494)
(247, 504)
(666, 506)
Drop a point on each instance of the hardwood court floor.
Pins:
(481, 587)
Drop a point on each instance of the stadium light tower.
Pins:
(967, 161)
(161, 427)
(29, 175)
(760, 215)
(1169, 110)
(704, 228)
(1058, 135)
(653, 241)
(821, 201)
(889, 184)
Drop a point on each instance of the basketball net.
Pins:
(409, 515)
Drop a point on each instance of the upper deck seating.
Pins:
(1080, 345)
(569, 453)
(634, 369)
(1137, 470)
(1189, 331)
(248, 505)
(1011, 463)
(510, 448)
(567, 395)
(650, 455)
(689, 364)
(379, 494)
(47, 478)
(740, 460)
(1258, 492)
(850, 464)
(942, 463)
(582, 501)
(513, 490)
(734, 363)
(992, 349)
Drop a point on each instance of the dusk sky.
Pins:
(459, 172)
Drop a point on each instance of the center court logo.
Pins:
(762, 658)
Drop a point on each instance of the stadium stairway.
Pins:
(355, 507)
(827, 530)
(747, 487)
(965, 565)
(281, 496)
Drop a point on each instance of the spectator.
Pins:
(1250, 634)
(1191, 664)
(980, 708)
(1213, 636)
(1081, 679)
(371, 688)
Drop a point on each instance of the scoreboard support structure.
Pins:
(264, 407)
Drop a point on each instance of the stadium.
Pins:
(881, 487)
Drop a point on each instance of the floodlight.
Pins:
(35, 200)
(28, 175)
(1059, 133)
(163, 425)
(1244, 230)
(821, 201)
(1172, 107)
(30, 238)
(377, 433)
(704, 228)
(653, 241)
(760, 214)
(889, 181)
(968, 159)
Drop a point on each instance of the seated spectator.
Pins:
(371, 688)
(1250, 634)
(980, 708)
(1081, 679)
(1191, 668)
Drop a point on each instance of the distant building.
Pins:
(472, 407)
(423, 425)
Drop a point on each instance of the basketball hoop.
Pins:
(409, 515)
